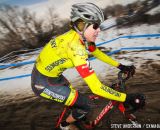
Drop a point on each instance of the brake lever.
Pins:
(122, 77)
(119, 84)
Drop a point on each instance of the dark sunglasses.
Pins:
(95, 26)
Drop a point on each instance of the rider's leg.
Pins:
(80, 109)
(60, 90)
(70, 119)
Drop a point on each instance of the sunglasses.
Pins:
(96, 26)
(81, 25)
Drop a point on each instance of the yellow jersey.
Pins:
(67, 51)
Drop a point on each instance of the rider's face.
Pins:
(91, 32)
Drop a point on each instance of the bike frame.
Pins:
(61, 117)
(105, 110)
(110, 106)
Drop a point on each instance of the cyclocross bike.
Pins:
(109, 108)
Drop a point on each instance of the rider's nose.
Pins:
(98, 30)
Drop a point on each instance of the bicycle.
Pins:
(118, 85)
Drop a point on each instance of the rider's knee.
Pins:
(80, 114)
(82, 107)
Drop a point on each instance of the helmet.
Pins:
(88, 12)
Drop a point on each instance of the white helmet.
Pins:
(88, 12)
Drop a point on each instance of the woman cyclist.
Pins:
(71, 50)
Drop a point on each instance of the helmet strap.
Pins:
(82, 34)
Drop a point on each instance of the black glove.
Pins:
(129, 70)
(134, 102)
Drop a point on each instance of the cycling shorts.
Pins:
(59, 89)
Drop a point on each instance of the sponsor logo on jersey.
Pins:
(53, 43)
(79, 51)
(54, 95)
(85, 70)
(111, 91)
(56, 63)
(89, 65)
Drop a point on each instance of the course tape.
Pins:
(15, 77)
(130, 48)
(130, 37)
(93, 58)
(17, 64)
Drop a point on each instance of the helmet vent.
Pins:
(87, 16)
(88, 12)
(80, 10)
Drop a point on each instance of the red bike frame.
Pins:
(61, 117)
(107, 108)
(104, 111)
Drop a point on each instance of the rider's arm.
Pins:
(102, 56)
(82, 66)
(96, 86)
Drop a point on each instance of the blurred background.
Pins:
(30, 24)
(27, 25)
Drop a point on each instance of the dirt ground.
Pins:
(27, 112)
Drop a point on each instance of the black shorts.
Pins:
(59, 89)
(49, 87)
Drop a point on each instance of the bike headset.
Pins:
(86, 14)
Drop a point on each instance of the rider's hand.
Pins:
(135, 101)
(129, 70)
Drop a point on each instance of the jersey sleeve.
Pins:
(104, 57)
(79, 59)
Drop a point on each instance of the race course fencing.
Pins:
(4, 66)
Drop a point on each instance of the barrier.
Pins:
(130, 48)
(92, 58)
(15, 77)
(16, 53)
(17, 64)
(130, 37)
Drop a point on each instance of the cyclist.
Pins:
(71, 50)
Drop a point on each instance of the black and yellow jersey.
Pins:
(67, 51)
